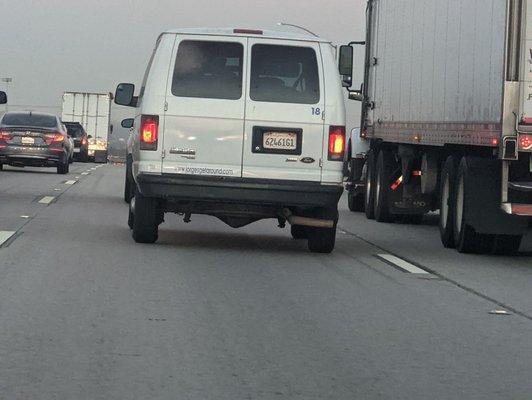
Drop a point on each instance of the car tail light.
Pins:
(6, 135)
(525, 142)
(54, 138)
(84, 141)
(336, 143)
(149, 127)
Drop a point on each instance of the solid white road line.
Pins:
(402, 264)
(71, 182)
(5, 236)
(46, 199)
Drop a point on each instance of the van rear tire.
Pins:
(323, 240)
(299, 232)
(355, 202)
(145, 219)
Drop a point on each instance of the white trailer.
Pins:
(447, 112)
(93, 112)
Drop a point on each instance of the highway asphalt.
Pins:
(210, 312)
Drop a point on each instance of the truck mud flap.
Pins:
(483, 199)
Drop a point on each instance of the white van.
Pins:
(241, 125)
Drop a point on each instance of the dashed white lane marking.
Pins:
(77, 177)
(5, 236)
(402, 264)
(71, 182)
(57, 190)
(46, 199)
(85, 173)
(25, 216)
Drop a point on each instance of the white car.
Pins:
(242, 125)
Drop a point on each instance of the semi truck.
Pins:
(446, 116)
(93, 112)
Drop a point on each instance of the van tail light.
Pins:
(6, 135)
(525, 142)
(149, 127)
(336, 143)
(526, 121)
(51, 138)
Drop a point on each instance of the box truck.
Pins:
(93, 112)
(447, 113)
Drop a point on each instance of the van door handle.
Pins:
(186, 152)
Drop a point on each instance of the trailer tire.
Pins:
(466, 239)
(447, 185)
(299, 232)
(384, 170)
(506, 244)
(369, 191)
(145, 219)
(355, 201)
(322, 240)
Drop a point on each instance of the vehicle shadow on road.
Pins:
(231, 241)
(50, 171)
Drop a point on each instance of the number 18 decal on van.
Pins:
(234, 123)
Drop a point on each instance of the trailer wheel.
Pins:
(506, 244)
(369, 192)
(355, 201)
(447, 184)
(384, 170)
(145, 219)
(299, 232)
(322, 240)
(466, 239)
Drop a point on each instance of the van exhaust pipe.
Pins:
(304, 221)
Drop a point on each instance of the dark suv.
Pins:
(81, 140)
(36, 140)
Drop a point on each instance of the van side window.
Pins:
(284, 74)
(211, 70)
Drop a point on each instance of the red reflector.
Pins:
(149, 132)
(417, 173)
(397, 183)
(526, 120)
(525, 142)
(522, 209)
(494, 142)
(248, 31)
(336, 143)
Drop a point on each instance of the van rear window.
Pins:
(211, 70)
(284, 74)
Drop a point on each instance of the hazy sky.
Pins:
(51, 46)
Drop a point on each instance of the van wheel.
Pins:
(355, 202)
(383, 173)
(299, 232)
(369, 192)
(322, 240)
(63, 168)
(506, 244)
(145, 219)
(128, 185)
(447, 185)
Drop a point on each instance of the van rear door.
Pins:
(205, 100)
(284, 124)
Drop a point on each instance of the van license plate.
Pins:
(27, 140)
(279, 140)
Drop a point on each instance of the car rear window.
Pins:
(74, 131)
(29, 120)
(210, 70)
(284, 74)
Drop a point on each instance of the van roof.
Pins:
(269, 34)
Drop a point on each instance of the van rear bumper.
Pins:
(239, 191)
